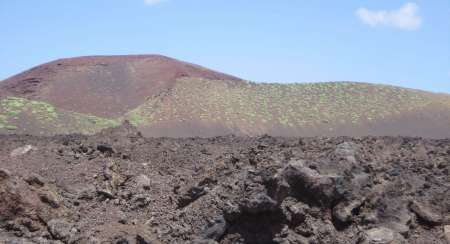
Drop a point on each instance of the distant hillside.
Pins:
(105, 86)
(167, 97)
(23, 116)
(193, 106)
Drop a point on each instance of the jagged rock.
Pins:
(447, 233)
(277, 189)
(294, 212)
(31, 225)
(122, 217)
(447, 229)
(306, 229)
(112, 175)
(358, 182)
(347, 148)
(394, 170)
(216, 230)
(105, 148)
(123, 238)
(22, 150)
(393, 212)
(60, 229)
(343, 211)
(298, 212)
(140, 200)
(33, 179)
(321, 189)
(263, 194)
(231, 212)
(279, 240)
(143, 181)
(145, 236)
(12, 187)
(384, 235)
(49, 196)
(107, 193)
(424, 213)
(267, 198)
(89, 193)
(4, 174)
(259, 202)
(191, 192)
(84, 239)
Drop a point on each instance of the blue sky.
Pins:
(393, 42)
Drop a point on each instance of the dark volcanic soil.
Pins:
(119, 187)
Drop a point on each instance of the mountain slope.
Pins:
(104, 86)
(209, 107)
(167, 97)
(23, 116)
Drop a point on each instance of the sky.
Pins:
(392, 42)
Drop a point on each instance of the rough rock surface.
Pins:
(118, 187)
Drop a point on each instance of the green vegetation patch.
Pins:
(14, 113)
(103, 123)
(11, 127)
(12, 107)
(13, 102)
(9, 108)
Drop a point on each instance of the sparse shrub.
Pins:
(50, 109)
(2, 126)
(14, 113)
(11, 127)
(3, 118)
(325, 121)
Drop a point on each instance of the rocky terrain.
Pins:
(120, 187)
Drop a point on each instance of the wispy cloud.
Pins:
(150, 2)
(404, 18)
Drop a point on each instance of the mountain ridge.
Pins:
(167, 97)
(105, 86)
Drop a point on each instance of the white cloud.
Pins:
(150, 2)
(404, 18)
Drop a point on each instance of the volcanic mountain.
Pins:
(166, 97)
(104, 86)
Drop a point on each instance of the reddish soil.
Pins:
(119, 187)
(105, 86)
(430, 122)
